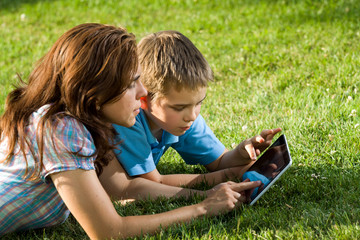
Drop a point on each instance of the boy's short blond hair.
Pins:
(169, 59)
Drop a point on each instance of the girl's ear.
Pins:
(144, 102)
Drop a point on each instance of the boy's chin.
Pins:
(178, 133)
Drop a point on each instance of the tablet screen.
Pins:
(269, 167)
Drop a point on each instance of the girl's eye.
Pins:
(132, 85)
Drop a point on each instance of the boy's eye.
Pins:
(178, 109)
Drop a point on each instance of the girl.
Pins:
(54, 142)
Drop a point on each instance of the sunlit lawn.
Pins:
(289, 64)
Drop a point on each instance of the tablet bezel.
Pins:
(275, 143)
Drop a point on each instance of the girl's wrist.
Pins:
(200, 209)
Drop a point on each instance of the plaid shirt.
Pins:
(26, 204)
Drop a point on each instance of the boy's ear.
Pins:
(144, 102)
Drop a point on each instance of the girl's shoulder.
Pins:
(60, 120)
(61, 127)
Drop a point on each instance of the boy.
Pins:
(176, 76)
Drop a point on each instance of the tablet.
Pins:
(273, 162)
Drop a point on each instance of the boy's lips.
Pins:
(185, 128)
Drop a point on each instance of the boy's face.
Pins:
(176, 111)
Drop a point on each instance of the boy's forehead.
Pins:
(185, 94)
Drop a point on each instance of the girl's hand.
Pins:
(224, 197)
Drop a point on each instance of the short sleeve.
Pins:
(134, 152)
(70, 137)
(199, 145)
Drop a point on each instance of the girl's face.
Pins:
(124, 110)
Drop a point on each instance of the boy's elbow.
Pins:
(214, 166)
(217, 164)
(155, 177)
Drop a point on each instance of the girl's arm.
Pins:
(87, 200)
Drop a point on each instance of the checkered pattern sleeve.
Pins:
(71, 148)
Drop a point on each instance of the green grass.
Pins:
(290, 64)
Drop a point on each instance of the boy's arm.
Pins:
(246, 152)
(120, 186)
(190, 180)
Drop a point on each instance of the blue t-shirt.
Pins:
(140, 152)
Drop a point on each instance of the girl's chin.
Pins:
(128, 123)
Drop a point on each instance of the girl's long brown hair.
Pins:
(88, 66)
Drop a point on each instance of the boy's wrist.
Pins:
(240, 149)
(229, 174)
(198, 193)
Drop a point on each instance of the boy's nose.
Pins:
(190, 115)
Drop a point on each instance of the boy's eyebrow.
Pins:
(183, 105)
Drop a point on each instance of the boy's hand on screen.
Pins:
(250, 148)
